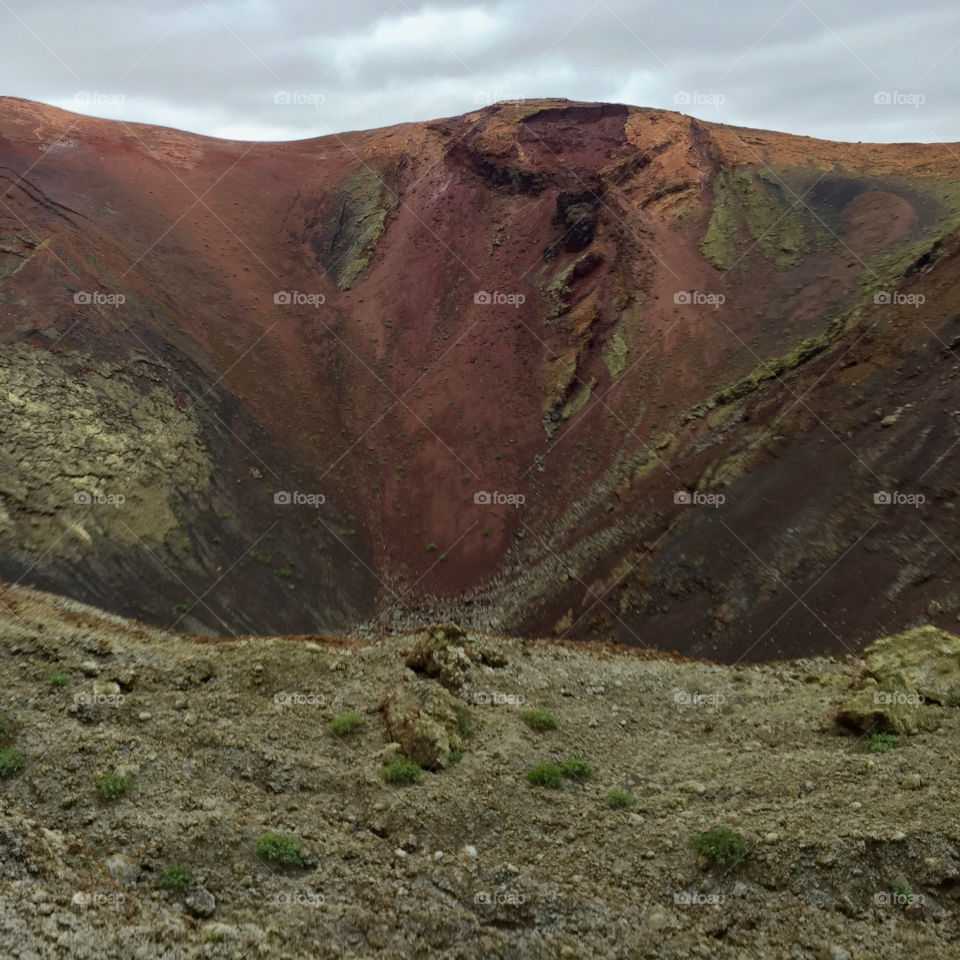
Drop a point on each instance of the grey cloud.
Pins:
(799, 65)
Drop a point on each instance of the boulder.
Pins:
(891, 710)
(438, 652)
(925, 660)
(425, 719)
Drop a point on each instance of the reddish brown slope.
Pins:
(401, 397)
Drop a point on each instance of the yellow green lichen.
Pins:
(615, 355)
(578, 401)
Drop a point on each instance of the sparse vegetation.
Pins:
(58, 678)
(402, 770)
(280, 849)
(577, 769)
(176, 878)
(902, 890)
(463, 721)
(539, 720)
(11, 762)
(880, 741)
(344, 723)
(546, 775)
(618, 799)
(720, 845)
(112, 786)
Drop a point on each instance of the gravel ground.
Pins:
(851, 853)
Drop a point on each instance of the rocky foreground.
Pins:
(163, 797)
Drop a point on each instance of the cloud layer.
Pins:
(862, 70)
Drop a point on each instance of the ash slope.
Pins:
(766, 318)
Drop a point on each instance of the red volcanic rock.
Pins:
(501, 367)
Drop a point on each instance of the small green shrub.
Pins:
(281, 849)
(464, 727)
(546, 775)
(112, 786)
(618, 799)
(539, 719)
(880, 742)
(11, 761)
(455, 756)
(719, 845)
(402, 770)
(177, 877)
(344, 723)
(577, 769)
(901, 889)
(58, 678)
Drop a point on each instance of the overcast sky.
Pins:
(286, 69)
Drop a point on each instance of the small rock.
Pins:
(833, 953)
(693, 786)
(470, 851)
(437, 856)
(771, 837)
(912, 781)
(400, 853)
(90, 667)
(145, 715)
(201, 903)
(122, 869)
